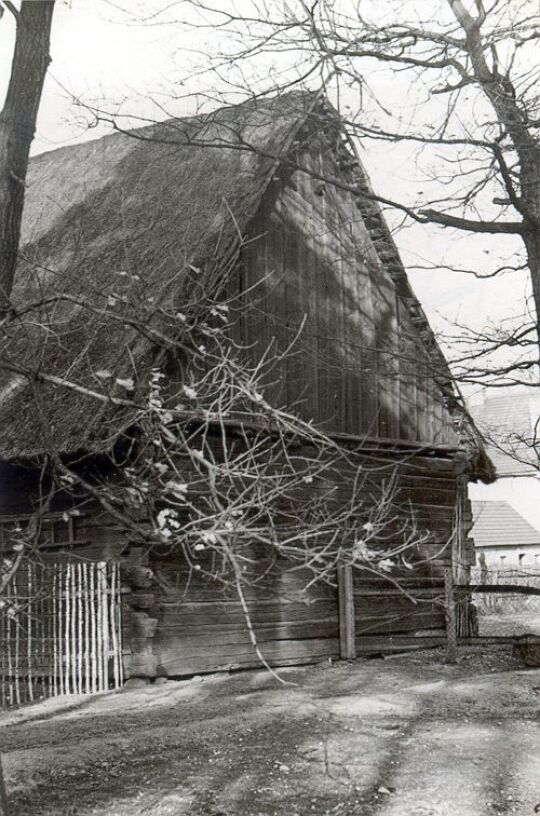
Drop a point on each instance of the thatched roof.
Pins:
(124, 215)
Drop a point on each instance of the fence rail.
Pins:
(507, 590)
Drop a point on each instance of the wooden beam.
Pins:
(507, 589)
(450, 614)
(4, 811)
(347, 646)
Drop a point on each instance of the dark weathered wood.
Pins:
(398, 643)
(450, 615)
(506, 589)
(243, 656)
(346, 612)
(228, 633)
(400, 624)
(381, 592)
(360, 364)
(203, 628)
(4, 809)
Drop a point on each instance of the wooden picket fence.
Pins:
(60, 631)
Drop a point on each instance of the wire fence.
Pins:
(505, 613)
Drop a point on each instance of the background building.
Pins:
(507, 513)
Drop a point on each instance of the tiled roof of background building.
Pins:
(498, 524)
(510, 423)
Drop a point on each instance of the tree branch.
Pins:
(493, 227)
(12, 9)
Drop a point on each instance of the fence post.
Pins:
(450, 615)
(347, 646)
(4, 811)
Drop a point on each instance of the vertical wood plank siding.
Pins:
(360, 365)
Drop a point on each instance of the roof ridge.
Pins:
(118, 132)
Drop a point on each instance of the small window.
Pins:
(55, 529)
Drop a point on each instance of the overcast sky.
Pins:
(101, 59)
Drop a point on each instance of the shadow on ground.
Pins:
(408, 735)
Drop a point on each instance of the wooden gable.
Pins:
(315, 281)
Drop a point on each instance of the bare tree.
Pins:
(470, 71)
(17, 126)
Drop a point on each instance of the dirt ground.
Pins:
(509, 623)
(405, 735)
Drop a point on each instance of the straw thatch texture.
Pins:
(116, 220)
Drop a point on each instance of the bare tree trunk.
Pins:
(531, 240)
(512, 116)
(17, 128)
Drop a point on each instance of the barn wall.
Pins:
(359, 365)
(201, 626)
(176, 621)
(384, 616)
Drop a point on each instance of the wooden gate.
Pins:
(60, 631)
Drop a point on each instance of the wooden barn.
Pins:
(268, 201)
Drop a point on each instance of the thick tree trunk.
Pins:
(514, 119)
(17, 127)
(531, 240)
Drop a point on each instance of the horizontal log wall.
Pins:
(177, 622)
(385, 617)
(202, 626)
